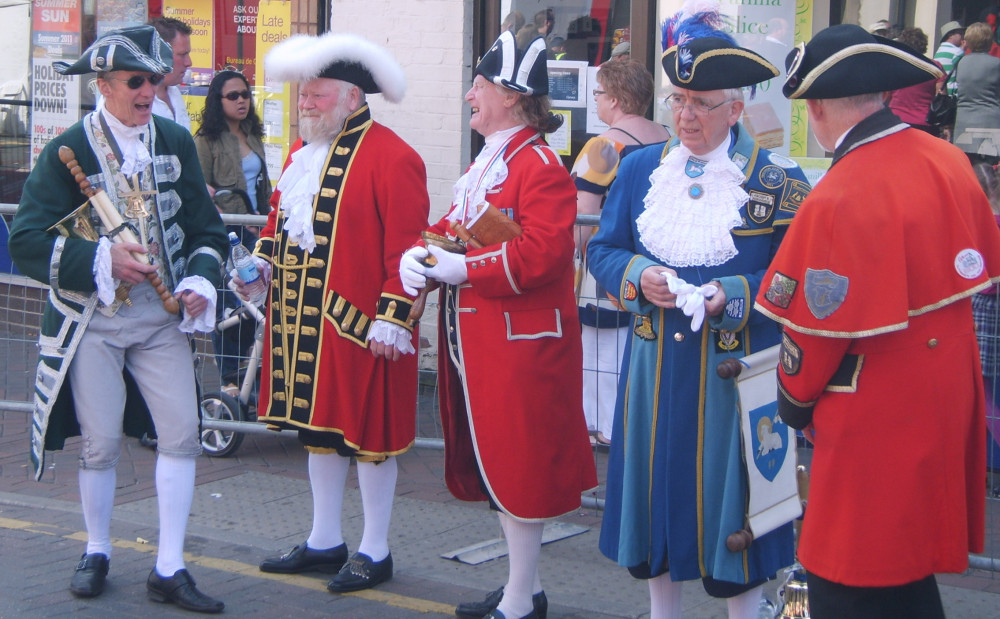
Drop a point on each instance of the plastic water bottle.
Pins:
(246, 268)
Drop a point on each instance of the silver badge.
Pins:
(825, 292)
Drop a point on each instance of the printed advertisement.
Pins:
(273, 99)
(198, 15)
(236, 36)
(55, 98)
(115, 14)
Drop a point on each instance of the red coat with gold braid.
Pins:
(879, 352)
(320, 375)
(509, 352)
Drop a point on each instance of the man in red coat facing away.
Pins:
(879, 363)
(342, 369)
(509, 350)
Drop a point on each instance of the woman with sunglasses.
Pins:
(232, 157)
(230, 146)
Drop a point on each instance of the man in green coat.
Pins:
(111, 362)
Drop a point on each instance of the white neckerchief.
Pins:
(692, 204)
(487, 171)
(298, 185)
(135, 155)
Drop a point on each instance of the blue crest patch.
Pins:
(772, 177)
(770, 440)
(736, 308)
(825, 292)
(694, 167)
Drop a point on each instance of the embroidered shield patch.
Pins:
(760, 206)
(825, 292)
(631, 294)
(790, 355)
(781, 290)
(694, 167)
(770, 440)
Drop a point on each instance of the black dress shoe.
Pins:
(302, 558)
(496, 614)
(360, 572)
(478, 610)
(179, 589)
(91, 572)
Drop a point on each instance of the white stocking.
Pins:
(524, 546)
(378, 488)
(327, 477)
(97, 497)
(174, 492)
(664, 598)
(745, 605)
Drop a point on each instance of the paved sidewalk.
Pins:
(257, 503)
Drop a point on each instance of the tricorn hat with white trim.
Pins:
(700, 55)
(138, 48)
(340, 56)
(524, 71)
(845, 60)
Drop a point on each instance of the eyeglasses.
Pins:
(233, 96)
(599, 92)
(698, 108)
(136, 81)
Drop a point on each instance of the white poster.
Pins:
(55, 103)
(768, 445)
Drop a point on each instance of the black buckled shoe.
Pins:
(478, 610)
(89, 576)
(302, 558)
(179, 589)
(360, 572)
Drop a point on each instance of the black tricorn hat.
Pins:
(713, 63)
(524, 71)
(845, 60)
(138, 48)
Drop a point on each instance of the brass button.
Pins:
(932, 343)
(678, 337)
(493, 259)
(475, 266)
(482, 263)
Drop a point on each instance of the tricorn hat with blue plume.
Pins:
(699, 55)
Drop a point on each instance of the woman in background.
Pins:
(978, 77)
(623, 94)
(231, 152)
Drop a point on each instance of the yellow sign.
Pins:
(273, 99)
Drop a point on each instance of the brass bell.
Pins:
(794, 595)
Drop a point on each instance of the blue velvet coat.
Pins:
(676, 483)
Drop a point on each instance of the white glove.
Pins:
(690, 298)
(450, 268)
(411, 271)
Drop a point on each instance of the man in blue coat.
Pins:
(685, 237)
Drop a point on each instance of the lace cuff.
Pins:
(392, 335)
(106, 284)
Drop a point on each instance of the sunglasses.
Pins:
(233, 96)
(136, 81)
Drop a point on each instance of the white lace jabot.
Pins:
(692, 204)
(298, 185)
(487, 172)
(135, 155)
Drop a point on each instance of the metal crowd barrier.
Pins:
(20, 316)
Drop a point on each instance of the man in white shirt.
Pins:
(950, 50)
(169, 102)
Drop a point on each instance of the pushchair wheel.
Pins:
(221, 443)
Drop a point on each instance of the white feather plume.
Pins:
(302, 57)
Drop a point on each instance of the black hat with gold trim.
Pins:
(845, 60)
(700, 56)
(138, 48)
(524, 71)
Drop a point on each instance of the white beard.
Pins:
(326, 127)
